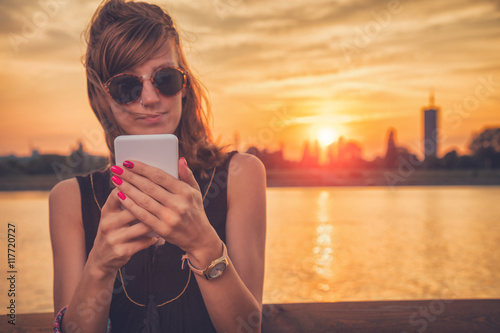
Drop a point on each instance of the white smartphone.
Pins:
(157, 150)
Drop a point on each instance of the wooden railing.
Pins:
(440, 316)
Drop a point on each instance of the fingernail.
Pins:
(121, 195)
(128, 164)
(116, 169)
(117, 180)
(184, 161)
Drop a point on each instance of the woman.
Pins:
(109, 274)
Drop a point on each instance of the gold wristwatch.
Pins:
(214, 270)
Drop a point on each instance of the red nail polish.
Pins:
(117, 180)
(184, 161)
(121, 195)
(116, 169)
(128, 164)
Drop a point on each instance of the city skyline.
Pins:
(320, 151)
(419, 149)
(354, 69)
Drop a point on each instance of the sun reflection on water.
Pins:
(323, 250)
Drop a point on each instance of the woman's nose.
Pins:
(149, 94)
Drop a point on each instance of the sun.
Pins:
(327, 135)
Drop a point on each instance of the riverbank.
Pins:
(313, 177)
(360, 177)
(28, 183)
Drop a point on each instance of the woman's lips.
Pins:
(152, 119)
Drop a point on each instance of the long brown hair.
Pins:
(123, 34)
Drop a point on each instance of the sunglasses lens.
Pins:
(125, 89)
(169, 81)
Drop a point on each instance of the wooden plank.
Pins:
(429, 316)
(31, 322)
(440, 316)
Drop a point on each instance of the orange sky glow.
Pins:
(278, 72)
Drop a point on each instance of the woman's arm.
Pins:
(86, 287)
(174, 210)
(68, 240)
(236, 301)
(72, 280)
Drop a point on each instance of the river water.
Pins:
(323, 244)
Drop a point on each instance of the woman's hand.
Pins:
(116, 240)
(171, 207)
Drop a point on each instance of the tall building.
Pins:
(391, 155)
(431, 129)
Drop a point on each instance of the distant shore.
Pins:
(314, 177)
(28, 183)
(363, 177)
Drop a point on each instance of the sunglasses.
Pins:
(127, 88)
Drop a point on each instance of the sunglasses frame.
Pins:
(141, 80)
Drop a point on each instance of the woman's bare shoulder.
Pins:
(246, 166)
(65, 196)
(246, 179)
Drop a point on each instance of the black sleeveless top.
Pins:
(154, 276)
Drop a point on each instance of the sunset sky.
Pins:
(278, 71)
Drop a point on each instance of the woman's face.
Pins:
(158, 114)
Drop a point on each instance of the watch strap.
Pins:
(201, 272)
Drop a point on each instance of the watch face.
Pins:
(217, 270)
